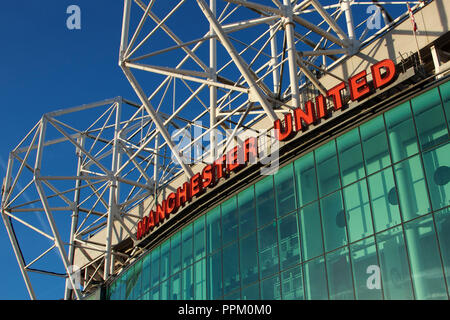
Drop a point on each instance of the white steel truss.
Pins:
(212, 68)
(105, 157)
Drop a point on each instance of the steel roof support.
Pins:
(125, 29)
(241, 65)
(311, 77)
(161, 24)
(58, 242)
(256, 6)
(18, 254)
(311, 26)
(158, 123)
(331, 22)
(346, 7)
(156, 168)
(213, 89)
(74, 222)
(274, 59)
(113, 192)
(191, 76)
(292, 53)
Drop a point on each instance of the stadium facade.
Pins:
(373, 196)
(336, 189)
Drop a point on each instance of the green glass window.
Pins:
(154, 295)
(213, 230)
(188, 284)
(200, 280)
(248, 259)
(251, 292)
(316, 279)
(233, 296)
(125, 286)
(350, 157)
(231, 279)
(112, 291)
(115, 291)
(139, 272)
(270, 288)
(187, 245)
(437, 171)
(442, 219)
(305, 175)
(401, 133)
(339, 273)
(257, 239)
(366, 270)
(214, 276)
(134, 281)
(246, 202)
(124, 294)
(394, 265)
(175, 287)
(425, 262)
(268, 250)
(429, 118)
(285, 190)
(292, 284)
(131, 283)
(165, 260)
(333, 221)
(357, 209)
(445, 95)
(146, 267)
(229, 221)
(119, 290)
(265, 202)
(311, 231)
(375, 145)
(384, 200)
(327, 168)
(146, 296)
(199, 238)
(164, 292)
(154, 276)
(412, 192)
(122, 287)
(175, 254)
(288, 239)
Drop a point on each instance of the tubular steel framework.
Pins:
(212, 70)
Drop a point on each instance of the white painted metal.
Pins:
(213, 89)
(113, 194)
(436, 60)
(75, 212)
(292, 53)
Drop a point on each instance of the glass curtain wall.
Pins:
(364, 216)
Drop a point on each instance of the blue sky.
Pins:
(44, 67)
